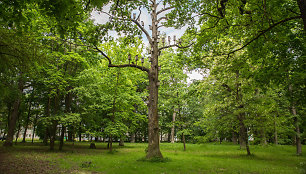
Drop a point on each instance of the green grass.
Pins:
(198, 158)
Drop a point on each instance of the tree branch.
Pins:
(175, 45)
(161, 19)
(262, 33)
(164, 9)
(136, 22)
(130, 65)
(121, 66)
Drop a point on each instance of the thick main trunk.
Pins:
(173, 126)
(302, 6)
(153, 130)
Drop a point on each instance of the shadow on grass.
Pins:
(154, 160)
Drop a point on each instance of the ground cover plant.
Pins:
(198, 158)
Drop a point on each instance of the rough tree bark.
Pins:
(298, 132)
(27, 122)
(296, 123)
(13, 116)
(173, 126)
(302, 6)
(184, 142)
(68, 100)
(243, 134)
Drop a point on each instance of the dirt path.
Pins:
(10, 164)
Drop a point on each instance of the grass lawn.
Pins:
(198, 158)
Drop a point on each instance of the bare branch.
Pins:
(121, 66)
(100, 51)
(162, 19)
(136, 22)
(175, 45)
(130, 65)
(143, 30)
(164, 9)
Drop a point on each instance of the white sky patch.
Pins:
(102, 18)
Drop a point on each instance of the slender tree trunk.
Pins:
(110, 143)
(62, 137)
(184, 142)
(133, 138)
(173, 126)
(263, 137)
(298, 133)
(234, 137)
(53, 128)
(275, 132)
(70, 133)
(13, 117)
(34, 127)
(296, 123)
(45, 141)
(17, 134)
(53, 134)
(121, 142)
(27, 122)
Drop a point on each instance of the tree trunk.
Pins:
(302, 6)
(53, 134)
(70, 133)
(62, 137)
(110, 142)
(243, 136)
(13, 117)
(121, 142)
(133, 138)
(53, 128)
(275, 131)
(17, 134)
(173, 126)
(184, 142)
(153, 129)
(234, 137)
(27, 122)
(298, 133)
(45, 141)
(263, 137)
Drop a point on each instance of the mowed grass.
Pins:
(198, 158)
